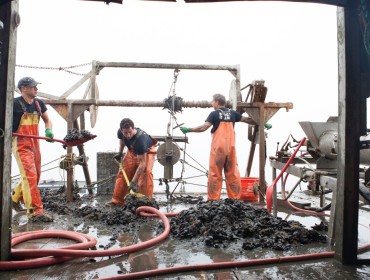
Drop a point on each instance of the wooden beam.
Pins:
(106, 1)
(346, 195)
(341, 3)
(9, 19)
(231, 68)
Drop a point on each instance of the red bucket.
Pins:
(249, 189)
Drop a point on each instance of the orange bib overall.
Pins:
(27, 153)
(145, 182)
(223, 158)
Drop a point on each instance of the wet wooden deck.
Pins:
(171, 252)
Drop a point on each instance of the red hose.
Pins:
(66, 253)
(271, 188)
(86, 242)
(300, 209)
(150, 215)
(224, 265)
(221, 265)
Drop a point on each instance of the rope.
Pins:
(105, 180)
(68, 162)
(18, 175)
(52, 161)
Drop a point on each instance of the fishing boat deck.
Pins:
(173, 252)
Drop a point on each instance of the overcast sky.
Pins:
(292, 46)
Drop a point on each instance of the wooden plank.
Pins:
(329, 2)
(8, 38)
(346, 195)
(341, 3)
(232, 68)
(77, 85)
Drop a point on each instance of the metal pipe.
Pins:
(127, 103)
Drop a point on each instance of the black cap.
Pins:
(27, 82)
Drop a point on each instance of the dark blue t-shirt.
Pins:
(20, 106)
(222, 115)
(139, 144)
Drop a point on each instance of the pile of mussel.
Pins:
(217, 223)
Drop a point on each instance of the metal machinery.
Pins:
(72, 110)
(254, 105)
(168, 152)
(317, 165)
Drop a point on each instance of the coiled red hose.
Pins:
(64, 254)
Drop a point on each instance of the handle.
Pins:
(39, 137)
(123, 172)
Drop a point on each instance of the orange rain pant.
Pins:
(145, 183)
(223, 157)
(27, 153)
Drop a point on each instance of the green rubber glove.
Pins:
(185, 129)
(268, 126)
(49, 134)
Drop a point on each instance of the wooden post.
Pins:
(81, 151)
(9, 20)
(346, 193)
(70, 171)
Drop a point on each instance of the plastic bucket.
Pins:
(249, 188)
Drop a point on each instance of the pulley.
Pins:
(168, 154)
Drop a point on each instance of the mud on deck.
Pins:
(195, 239)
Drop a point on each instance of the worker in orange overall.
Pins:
(223, 153)
(137, 163)
(27, 110)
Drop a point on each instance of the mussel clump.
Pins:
(220, 222)
(55, 201)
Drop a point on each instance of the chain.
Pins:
(170, 103)
(65, 69)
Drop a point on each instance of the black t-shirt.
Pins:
(18, 109)
(222, 115)
(139, 144)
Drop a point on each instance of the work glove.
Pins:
(134, 187)
(118, 156)
(185, 129)
(268, 126)
(49, 134)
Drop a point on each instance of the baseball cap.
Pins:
(27, 82)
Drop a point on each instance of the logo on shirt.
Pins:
(224, 115)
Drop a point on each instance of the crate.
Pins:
(106, 172)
